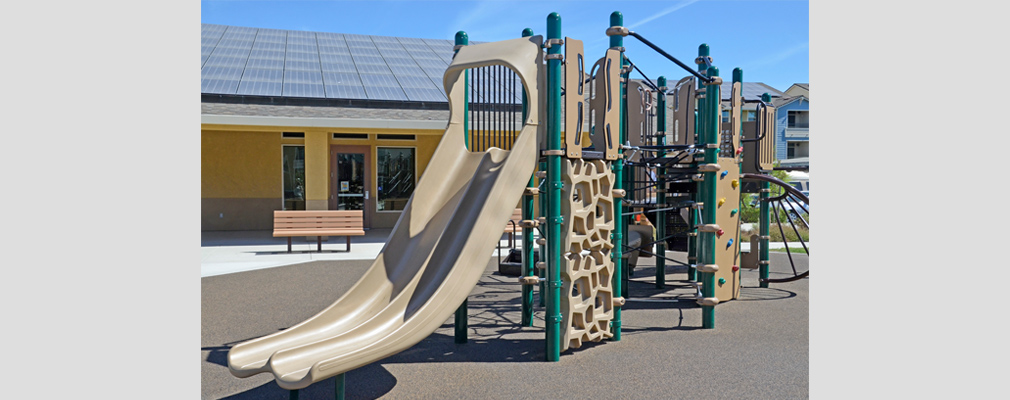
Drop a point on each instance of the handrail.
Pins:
(777, 181)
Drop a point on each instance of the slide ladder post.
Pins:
(617, 19)
(553, 317)
(661, 185)
(462, 39)
(765, 221)
(527, 299)
(707, 253)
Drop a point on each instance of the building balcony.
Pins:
(798, 133)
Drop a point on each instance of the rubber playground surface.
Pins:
(758, 349)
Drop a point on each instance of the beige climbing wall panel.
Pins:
(587, 298)
(726, 255)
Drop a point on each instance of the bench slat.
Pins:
(319, 233)
(317, 213)
(318, 224)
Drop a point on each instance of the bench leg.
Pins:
(289, 244)
(319, 244)
(348, 244)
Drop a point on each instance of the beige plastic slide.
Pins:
(435, 254)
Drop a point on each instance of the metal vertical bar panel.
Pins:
(764, 222)
(527, 259)
(462, 39)
(661, 185)
(617, 19)
(554, 187)
(711, 136)
(628, 186)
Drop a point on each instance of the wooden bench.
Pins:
(318, 223)
(512, 226)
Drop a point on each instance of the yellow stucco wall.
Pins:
(237, 164)
(241, 170)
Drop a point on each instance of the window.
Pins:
(395, 170)
(791, 150)
(725, 116)
(293, 177)
(799, 119)
(750, 115)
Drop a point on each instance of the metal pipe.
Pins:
(553, 317)
(707, 252)
(668, 56)
(527, 259)
(617, 19)
(661, 194)
(461, 313)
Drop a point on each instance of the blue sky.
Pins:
(768, 39)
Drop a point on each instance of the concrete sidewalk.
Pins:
(227, 252)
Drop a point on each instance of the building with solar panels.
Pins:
(294, 120)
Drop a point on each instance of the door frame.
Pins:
(369, 211)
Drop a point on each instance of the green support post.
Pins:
(554, 185)
(765, 221)
(707, 250)
(738, 77)
(661, 186)
(338, 386)
(699, 123)
(528, 267)
(463, 39)
(617, 19)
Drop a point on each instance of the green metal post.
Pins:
(699, 123)
(738, 77)
(707, 251)
(554, 185)
(528, 270)
(463, 39)
(765, 221)
(338, 386)
(661, 186)
(617, 19)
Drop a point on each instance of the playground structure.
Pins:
(503, 147)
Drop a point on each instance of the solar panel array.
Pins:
(269, 62)
(750, 91)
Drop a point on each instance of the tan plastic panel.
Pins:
(607, 105)
(639, 106)
(587, 297)
(683, 115)
(767, 144)
(576, 109)
(438, 248)
(727, 256)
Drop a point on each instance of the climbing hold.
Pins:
(721, 202)
(733, 212)
(719, 233)
(735, 183)
(722, 281)
(723, 174)
(729, 244)
(736, 268)
(739, 150)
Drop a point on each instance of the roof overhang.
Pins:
(335, 123)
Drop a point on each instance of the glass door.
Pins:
(351, 181)
(350, 184)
